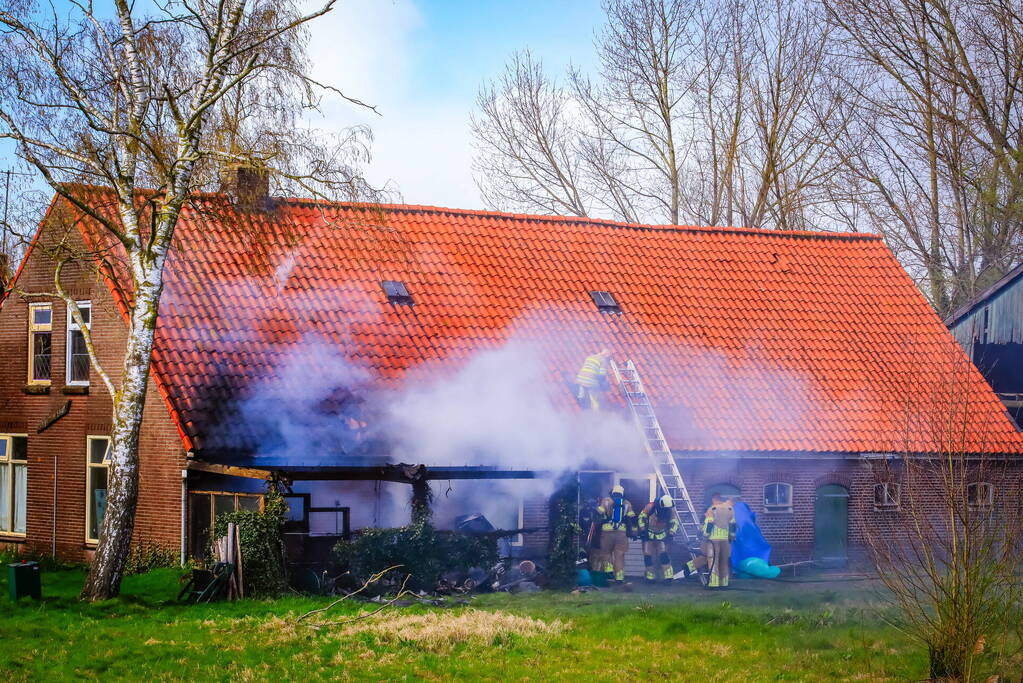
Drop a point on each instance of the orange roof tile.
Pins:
(748, 340)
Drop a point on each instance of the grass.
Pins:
(763, 631)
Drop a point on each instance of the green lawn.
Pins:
(762, 631)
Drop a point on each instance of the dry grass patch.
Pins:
(443, 630)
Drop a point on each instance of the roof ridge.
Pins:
(584, 220)
(554, 219)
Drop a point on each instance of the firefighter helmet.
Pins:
(619, 490)
(666, 501)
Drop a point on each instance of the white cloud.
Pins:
(422, 145)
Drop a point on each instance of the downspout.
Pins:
(53, 548)
(184, 515)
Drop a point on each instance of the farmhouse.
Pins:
(292, 335)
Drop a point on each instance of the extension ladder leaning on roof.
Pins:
(668, 475)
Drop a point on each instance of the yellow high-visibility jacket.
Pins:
(656, 527)
(591, 372)
(719, 524)
(605, 514)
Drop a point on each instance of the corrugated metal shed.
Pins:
(994, 317)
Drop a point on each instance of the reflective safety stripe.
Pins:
(590, 373)
(719, 534)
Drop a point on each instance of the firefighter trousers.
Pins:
(613, 545)
(719, 560)
(655, 554)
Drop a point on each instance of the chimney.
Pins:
(248, 186)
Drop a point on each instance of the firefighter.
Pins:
(719, 528)
(592, 380)
(657, 526)
(616, 520)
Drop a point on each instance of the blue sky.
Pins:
(421, 63)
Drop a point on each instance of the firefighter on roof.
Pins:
(592, 380)
(719, 528)
(657, 526)
(616, 519)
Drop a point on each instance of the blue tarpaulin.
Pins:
(749, 542)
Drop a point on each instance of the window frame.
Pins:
(7, 464)
(986, 505)
(210, 493)
(400, 296)
(605, 301)
(35, 328)
(72, 327)
(888, 487)
(777, 508)
(519, 540)
(89, 467)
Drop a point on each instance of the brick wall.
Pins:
(62, 447)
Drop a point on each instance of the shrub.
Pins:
(563, 548)
(423, 553)
(148, 556)
(261, 534)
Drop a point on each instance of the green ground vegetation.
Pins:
(762, 631)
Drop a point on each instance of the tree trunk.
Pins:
(107, 569)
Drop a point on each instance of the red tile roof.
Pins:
(748, 340)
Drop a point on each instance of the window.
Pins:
(886, 496)
(778, 497)
(203, 509)
(40, 342)
(980, 495)
(98, 467)
(397, 292)
(296, 519)
(13, 483)
(606, 303)
(77, 353)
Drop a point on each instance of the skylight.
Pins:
(606, 303)
(396, 292)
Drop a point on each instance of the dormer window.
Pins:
(605, 301)
(396, 292)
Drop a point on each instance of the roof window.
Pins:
(606, 303)
(397, 292)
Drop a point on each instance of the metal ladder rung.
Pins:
(665, 468)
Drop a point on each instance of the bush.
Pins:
(261, 534)
(423, 553)
(145, 557)
(563, 548)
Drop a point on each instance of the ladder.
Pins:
(668, 474)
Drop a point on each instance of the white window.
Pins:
(980, 495)
(40, 342)
(98, 474)
(77, 353)
(887, 496)
(13, 483)
(778, 497)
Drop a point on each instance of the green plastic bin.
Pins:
(23, 579)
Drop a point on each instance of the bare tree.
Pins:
(939, 155)
(947, 530)
(163, 102)
(699, 112)
(527, 143)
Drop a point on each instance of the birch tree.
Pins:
(153, 107)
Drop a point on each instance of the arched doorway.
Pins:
(831, 525)
(724, 489)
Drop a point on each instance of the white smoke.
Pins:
(503, 409)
